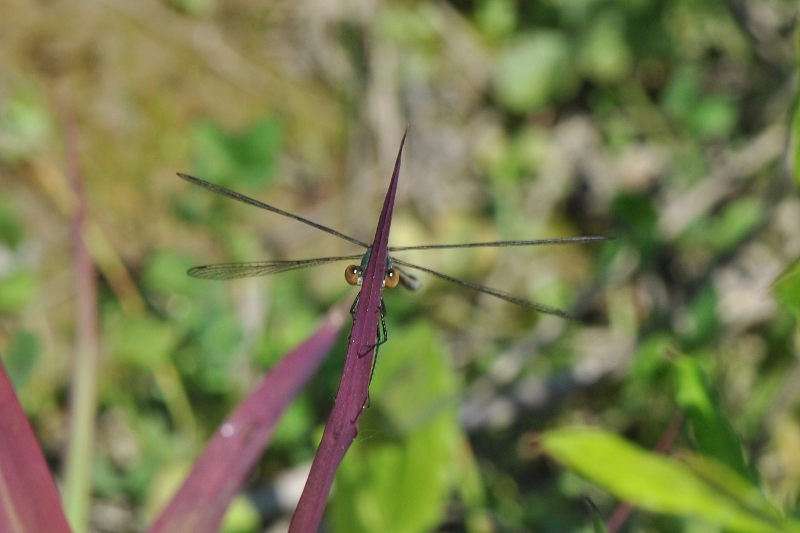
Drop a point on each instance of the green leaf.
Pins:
(496, 18)
(711, 429)
(11, 231)
(166, 272)
(21, 358)
(605, 56)
(241, 517)
(534, 71)
(737, 221)
(195, 7)
(714, 117)
(701, 319)
(16, 291)
(218, 340)
(639, 217)
(795, 138)
(654, 482)
(706, 117)
(400, 482)
(403, 486)
(248, 158)
(731, 483)
(145, 342)
(787, 288)
(721, 233)
(25, 126)
(598, 524)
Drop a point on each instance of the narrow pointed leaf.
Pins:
(217, 476)
(29, 501)
(342, 426)
(714, 434)
(730, 482)
(654, 482)
(597, 521)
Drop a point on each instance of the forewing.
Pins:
(260, 268)
(501, 244)
(252, 201)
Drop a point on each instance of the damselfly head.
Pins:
(354, 276)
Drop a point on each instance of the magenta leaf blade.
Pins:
(29, 500)
(342, 426)
(201, 502)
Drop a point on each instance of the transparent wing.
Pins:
(250, 201)
(260, 268)
(522, 302)
(499, 244)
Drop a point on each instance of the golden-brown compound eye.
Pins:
(351, 274)
(391, 279)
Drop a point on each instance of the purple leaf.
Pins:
(219, 473)
(342, 426)
(29, 501)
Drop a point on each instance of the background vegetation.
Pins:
(665, 124)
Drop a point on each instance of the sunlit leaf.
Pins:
(787, 288)
(728, 481)
(195, 7)
(400, 483)
(24, 126)
(145, 342)
(534, 71)
(652, 481)
(248, 158)
(241, 517)
(16, 291)
(701, 319)
(705, 116)
(605, 56)
(11, 231)
(496, 18)
(21, 358)
(710, 427)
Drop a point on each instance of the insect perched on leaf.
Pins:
(393, 273)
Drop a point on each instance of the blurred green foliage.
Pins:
(703, 488)
(787, 288)
(245, 159)
(408, 457)
(25, 125)
(16, 291)
(715, 484)
(534, 71)
(21, 358)
(660, 123)
(11, 231)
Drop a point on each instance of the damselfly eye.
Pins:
(351, 274)
(391, 279)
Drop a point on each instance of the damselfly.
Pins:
(394, 275)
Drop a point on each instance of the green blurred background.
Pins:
(665, 124)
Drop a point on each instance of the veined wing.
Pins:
(250, 201)
(498, 244)
(260, 268)
(489, 290)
